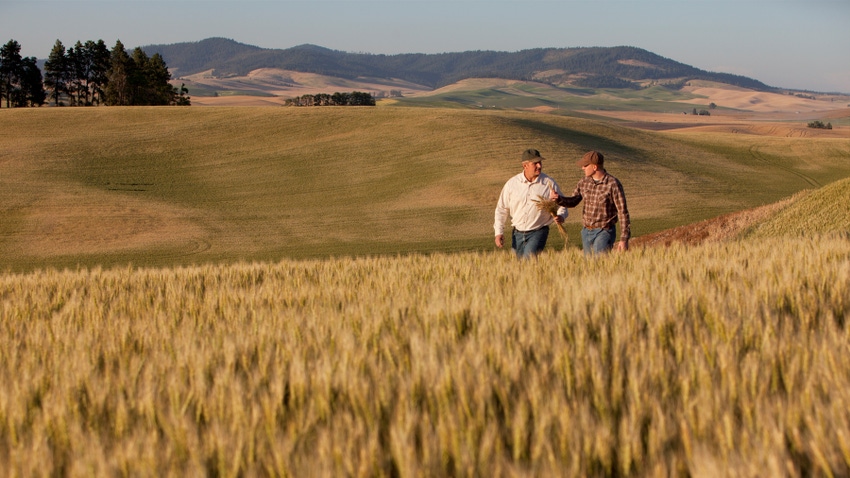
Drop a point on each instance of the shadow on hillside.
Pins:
(585, 141)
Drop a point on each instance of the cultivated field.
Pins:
(179, 186)
(728, 358)
(314, 292)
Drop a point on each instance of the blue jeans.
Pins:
(530, 243)
(598, 241)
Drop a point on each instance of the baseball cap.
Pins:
(590, 157)
(531, 155)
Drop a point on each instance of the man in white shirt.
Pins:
(530, 224)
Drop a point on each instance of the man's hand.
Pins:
(500, 240)
(559, 219)
(621, 246)
(553, 195)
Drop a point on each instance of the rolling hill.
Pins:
(169, 186)
(590, 67)
(585, 82)
(809, 213)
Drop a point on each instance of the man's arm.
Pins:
(622, 216)
(500, 217)
(562, 214)
(567, 201)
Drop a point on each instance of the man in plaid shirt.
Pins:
(604, 206)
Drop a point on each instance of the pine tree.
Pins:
(183, 98)
(11, 66)
(118, 88)
(77, 68)
(100, 58)
(160, 81)
(90, 62)
(32, 86)
(20, 78)
(56, 73)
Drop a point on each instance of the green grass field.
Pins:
(172, 186)
(564, 100)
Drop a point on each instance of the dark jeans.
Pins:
(529, 243)
(598, 241)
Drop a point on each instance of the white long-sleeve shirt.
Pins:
(517, 201)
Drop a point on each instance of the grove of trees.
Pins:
(818, 124)
(355, 98)
(87, 74)
(20, 78)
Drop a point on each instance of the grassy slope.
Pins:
(810, 212)
(512, 95)
(169, 186)
(825, 210)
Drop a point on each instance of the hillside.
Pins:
(169, 186)
(824, 210)
(220, 72)
(591, 67)
(723, 359)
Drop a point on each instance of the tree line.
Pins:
(820, 125)
(355, 98)
(87, 74)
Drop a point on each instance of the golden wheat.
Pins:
(726, 358)
(549, 206)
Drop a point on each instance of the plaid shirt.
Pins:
(604, 204)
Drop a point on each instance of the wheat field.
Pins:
(725, 358)
(120, 356)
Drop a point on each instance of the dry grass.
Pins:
(719, 229)
(276, 85)
(726, 358)
(826, 210)
(810, 212)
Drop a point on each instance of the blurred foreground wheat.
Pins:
(727, 359)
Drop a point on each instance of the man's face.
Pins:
(589, 169)
(532, 169)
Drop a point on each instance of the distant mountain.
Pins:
(594, 67)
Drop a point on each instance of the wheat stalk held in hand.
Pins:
(550, 206)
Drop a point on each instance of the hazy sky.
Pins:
(803, 44)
